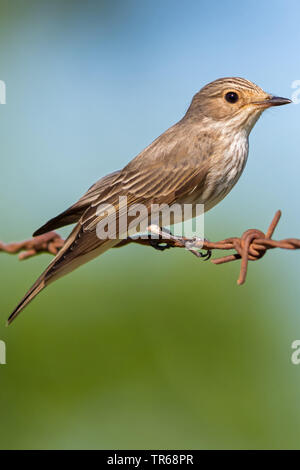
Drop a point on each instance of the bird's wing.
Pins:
(167, 171)
(155, 185)
(74, 212)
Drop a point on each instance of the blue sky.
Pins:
(89, 87)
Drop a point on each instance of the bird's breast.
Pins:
(226, 166)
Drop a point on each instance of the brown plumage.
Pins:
(198, 160)
(73, 213)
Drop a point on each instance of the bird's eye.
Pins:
(231, 97)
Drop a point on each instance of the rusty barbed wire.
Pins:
(49, 242)
(251, 246)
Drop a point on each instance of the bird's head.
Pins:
(233, 102)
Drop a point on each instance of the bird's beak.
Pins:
(272, 101)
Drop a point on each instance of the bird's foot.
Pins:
(195, 245)
(159, 238)
(165, 239)
(159, 245)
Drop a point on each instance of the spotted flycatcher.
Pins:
(196, 161)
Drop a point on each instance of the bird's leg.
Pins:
(193, 245)
(163, 235)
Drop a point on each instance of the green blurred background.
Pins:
(141, 349)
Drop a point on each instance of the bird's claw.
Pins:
(194, 246)
(159, 245)
(159, 232)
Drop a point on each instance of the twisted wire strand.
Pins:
(251, 246)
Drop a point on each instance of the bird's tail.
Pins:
(43, 280)
(63, 263)
(30, 295)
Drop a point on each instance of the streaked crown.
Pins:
(227, 97)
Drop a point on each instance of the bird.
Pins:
(196, 161)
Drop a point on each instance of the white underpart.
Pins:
(224, 175)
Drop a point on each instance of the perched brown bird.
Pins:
(198, 160)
